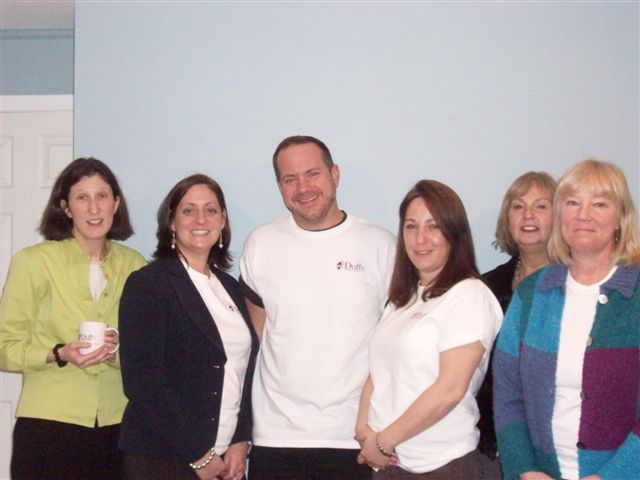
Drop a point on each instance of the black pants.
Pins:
(142, 468)
(268, 463)
(49, 450)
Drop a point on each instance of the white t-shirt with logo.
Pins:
(404, 359)
(323, 293)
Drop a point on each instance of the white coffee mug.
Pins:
(93, 332)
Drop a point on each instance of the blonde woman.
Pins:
(523, 229)
(567, 363)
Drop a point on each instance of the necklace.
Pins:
(517, 275)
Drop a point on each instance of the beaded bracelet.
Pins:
(212, 454)
(383, 451)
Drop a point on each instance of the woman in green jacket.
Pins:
(71, 403)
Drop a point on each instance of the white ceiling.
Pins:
(36, 14)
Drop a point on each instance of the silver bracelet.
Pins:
(212, 454)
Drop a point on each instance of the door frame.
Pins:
(35, 103)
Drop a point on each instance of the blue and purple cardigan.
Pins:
(524, 372)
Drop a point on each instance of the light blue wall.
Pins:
(472, 94)
(36, 62)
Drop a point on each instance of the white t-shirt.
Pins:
(237, 348)
(97, 280)
(404, 360)
(323, 293)
(577, 319)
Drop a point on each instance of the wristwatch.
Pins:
(61, 363)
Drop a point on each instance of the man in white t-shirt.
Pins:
(315, 281)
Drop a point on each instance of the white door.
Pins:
(36, 143)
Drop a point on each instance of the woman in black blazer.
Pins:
(187, 347)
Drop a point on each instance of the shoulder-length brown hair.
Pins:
(219, 257)
(56, 225)
(449, 213)
(504, 240)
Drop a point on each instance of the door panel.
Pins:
(36, 143)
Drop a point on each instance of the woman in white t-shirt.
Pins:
(429, 354)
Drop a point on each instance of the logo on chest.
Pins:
(349, 266)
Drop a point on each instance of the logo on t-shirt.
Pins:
(350, 267)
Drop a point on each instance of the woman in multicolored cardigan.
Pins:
(567, 362)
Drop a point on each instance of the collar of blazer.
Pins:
(191, 301)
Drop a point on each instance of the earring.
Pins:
(173, 239)
(617, 236)
(220, 244)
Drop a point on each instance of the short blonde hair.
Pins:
(504, 240)
(599, 178)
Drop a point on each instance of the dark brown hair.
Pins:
(56, 225)
(301, 140)
(219, 257)
(450, 216)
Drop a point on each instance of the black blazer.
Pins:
(499, 280)
(173, 361)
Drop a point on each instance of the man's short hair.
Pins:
(301, 140)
